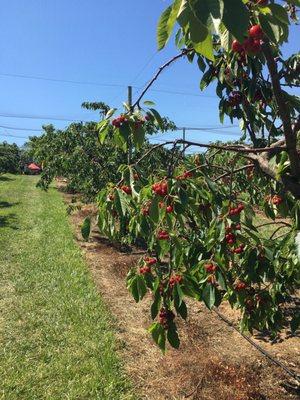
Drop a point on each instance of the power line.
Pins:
(19, 129)
(91, 83)
(207, 128)
(144, 67)
(183, 93)
(40, 78)
(32, 116)
(14, 136)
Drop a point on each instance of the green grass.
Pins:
(56, 336)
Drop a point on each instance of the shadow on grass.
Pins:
(9, 221)
(6, 179)
(6, 204)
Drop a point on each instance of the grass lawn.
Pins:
(56, 335)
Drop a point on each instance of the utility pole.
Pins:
(130, 96)
(129, 142)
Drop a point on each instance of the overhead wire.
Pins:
(33, 116)
(20, 129)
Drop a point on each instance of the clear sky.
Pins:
(101, 41)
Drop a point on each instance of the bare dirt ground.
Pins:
(213, 363)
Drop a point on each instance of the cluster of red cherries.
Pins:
(119, 121)
(236, 210)
(235, 98)
(165, 317)
(149, 261)
(240, 285)
(252, 44)
(175, 279)
(185, 175)
(160, 188)
(210, 268)
(231, 238)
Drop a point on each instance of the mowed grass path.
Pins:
(56, 336)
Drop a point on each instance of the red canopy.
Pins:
(34, 167)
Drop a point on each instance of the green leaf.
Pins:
(154, 210)
(134, 289)
(204, 9)
(221, 281)
(226, 37)
(182, 310)
(141, 286)
(166, 24)
(209, 295)
(178, 296)
(125, 132)
(120, 202)
(201, 64)
(236, 18)
(157, 118)
(159, 335)
(110, 113)
(172, 335)
(271, 29)
(279, 13)
(86, 228)
(205, 47)
(139, 137)
(149, 103)
(155, 305)
(103, 133)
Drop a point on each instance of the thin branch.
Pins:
(273, 223)
(276, 230)
(234, 171)
(160, 70)
(152, 149)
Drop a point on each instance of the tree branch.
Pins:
(160, 70)
(290, 137)
(234, 171)
(234, 148)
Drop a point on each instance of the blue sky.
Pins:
(108, 42)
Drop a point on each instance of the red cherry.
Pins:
(163, 235)
(126, 189)
(145, 211)
(276, 200)
(236, 46)
(240, 207)
(150, 260)
(256, 32)
(169, 209)
(210, 268)
(240, 285)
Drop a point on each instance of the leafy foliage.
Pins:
(12, 158)
(203, 220)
